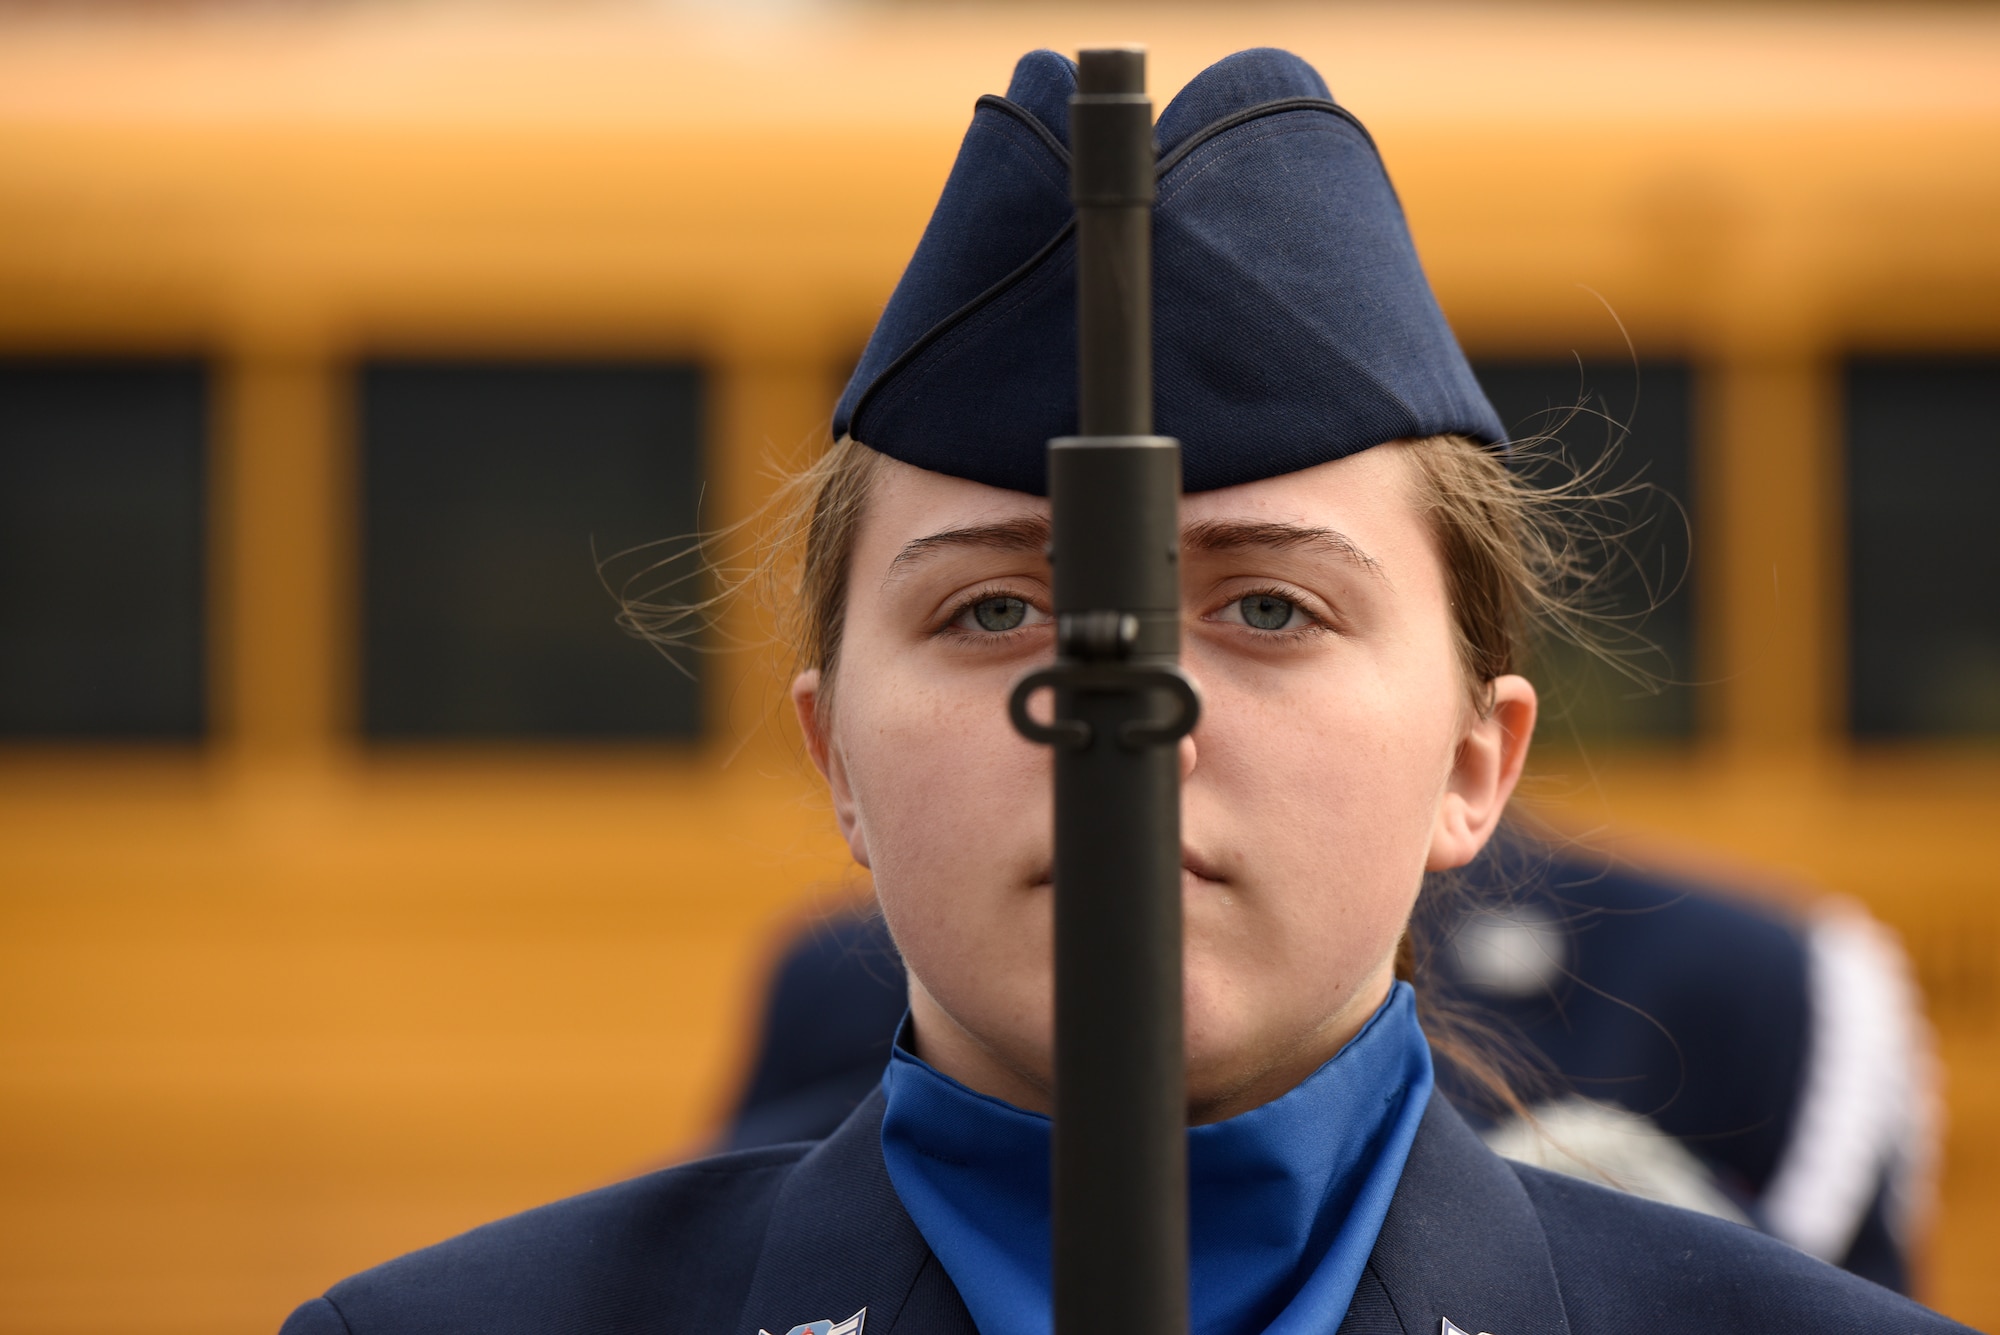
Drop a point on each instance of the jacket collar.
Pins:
(1461, 1242)
(840, 1241)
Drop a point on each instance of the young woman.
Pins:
(1359, 566)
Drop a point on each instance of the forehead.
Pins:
(1365, 496)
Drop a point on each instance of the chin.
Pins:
(1247, 1048)
(1223, 1086)
(1226, 1049)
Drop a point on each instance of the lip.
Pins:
(1199, 867)
(1192, 864)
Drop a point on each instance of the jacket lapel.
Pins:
(1461, 1243)
(840, 1241)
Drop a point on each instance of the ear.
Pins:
(826, 758)
(1483, 774)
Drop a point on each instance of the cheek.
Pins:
(1344, 758)
(956, 811)
(929, 762)
(953, 804)
(1328, 786)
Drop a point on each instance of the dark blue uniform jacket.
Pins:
(773, 1238)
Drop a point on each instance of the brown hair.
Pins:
(827, 512)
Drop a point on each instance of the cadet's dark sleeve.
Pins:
(318, 1317)
(1623, 1262)
(675, 1250)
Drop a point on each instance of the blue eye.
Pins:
(1266, 611)
(999, 614)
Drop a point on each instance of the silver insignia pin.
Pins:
(1448, 1328)
(851, 1326)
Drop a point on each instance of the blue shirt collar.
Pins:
(1285, 1201)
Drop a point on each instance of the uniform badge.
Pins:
(851, 1326)
(1447, 1328)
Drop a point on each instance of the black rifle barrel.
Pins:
(1121, 707)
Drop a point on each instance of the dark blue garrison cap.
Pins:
(1292, 322)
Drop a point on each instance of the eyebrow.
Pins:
(1233, 535)
(1030, 533)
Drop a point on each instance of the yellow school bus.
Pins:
(295, 982)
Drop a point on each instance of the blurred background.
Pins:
(359, 881)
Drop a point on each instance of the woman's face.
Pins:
(1337, 758)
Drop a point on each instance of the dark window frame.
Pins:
(535, 657)
(1921, 665)
(106, 468)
